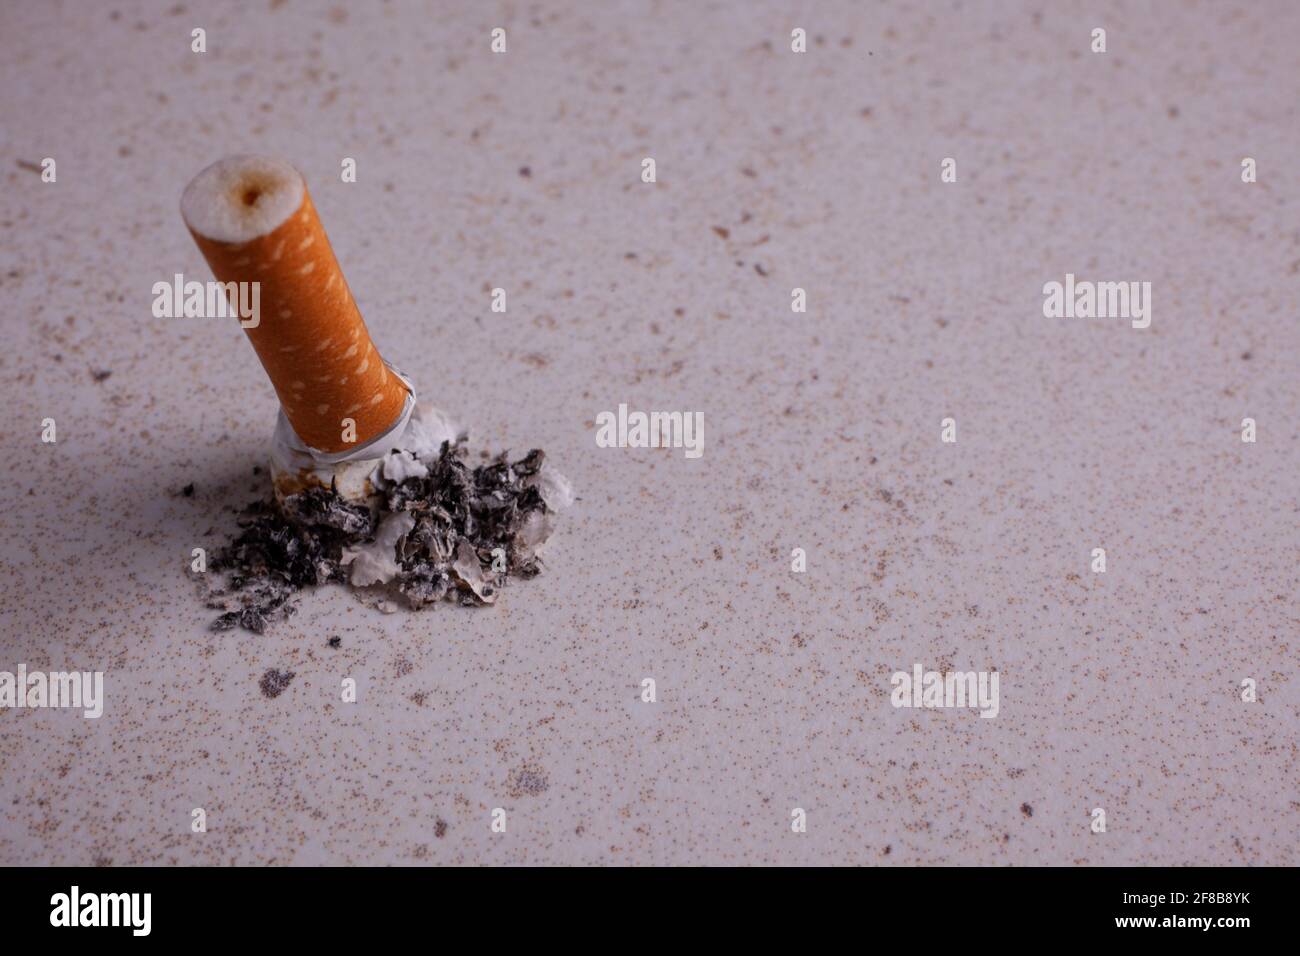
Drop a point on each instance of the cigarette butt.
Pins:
(254, 221)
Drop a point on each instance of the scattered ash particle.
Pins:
(100, 374)
(335, 642)
(274, 682)
(457, 533)
(440, 828)
(1026, 809)
(525, 172)
(527, 781)
(188, 490)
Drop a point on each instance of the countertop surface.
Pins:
(1119, 691)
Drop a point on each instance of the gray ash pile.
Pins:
(438, 530)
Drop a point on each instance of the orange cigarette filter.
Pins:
(254, 221)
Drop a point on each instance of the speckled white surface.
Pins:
(822, 431)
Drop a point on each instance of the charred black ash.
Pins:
(472, 530)
(494, 508)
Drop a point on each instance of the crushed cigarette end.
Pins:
(436, 530)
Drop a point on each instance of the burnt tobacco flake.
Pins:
(274, 682)
(282, 549)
